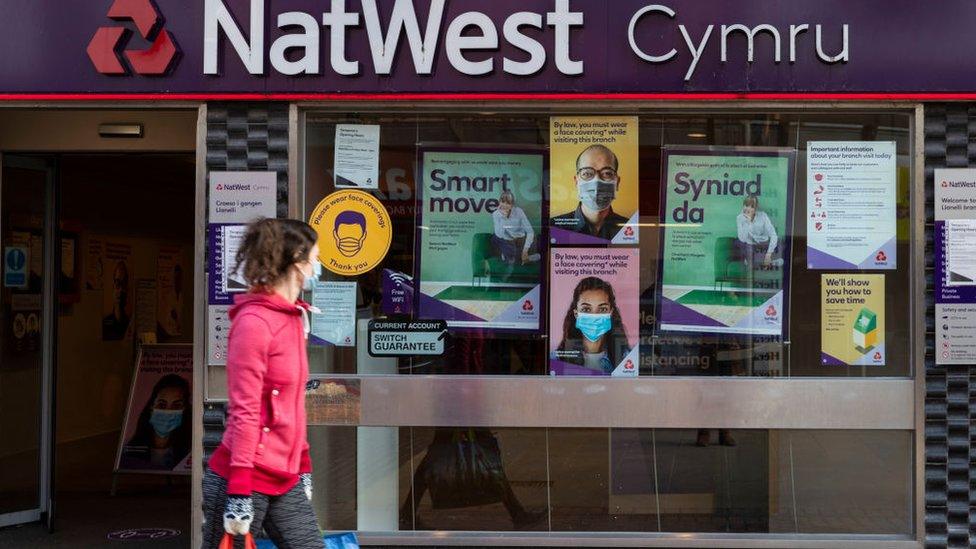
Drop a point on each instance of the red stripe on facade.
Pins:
(704, 97)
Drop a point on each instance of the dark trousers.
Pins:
(288, 519)
(510, 251)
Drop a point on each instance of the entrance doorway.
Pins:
(98, 275)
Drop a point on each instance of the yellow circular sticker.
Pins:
(354, 232)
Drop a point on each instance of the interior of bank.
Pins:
(98, 215)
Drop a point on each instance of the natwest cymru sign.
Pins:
(305, 47)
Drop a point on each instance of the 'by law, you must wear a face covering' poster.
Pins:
(479, 237)
(593, 185)
(594, 310)
(157, 432)
(725, 247)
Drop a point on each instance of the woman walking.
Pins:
(260, 475)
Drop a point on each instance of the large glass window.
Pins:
(717, 276)
(384, 479)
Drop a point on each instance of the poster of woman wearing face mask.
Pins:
(157, 430)
(593, 180)
(593, 314)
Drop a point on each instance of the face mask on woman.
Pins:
(309, 283)
(165, 422)
(593, 326)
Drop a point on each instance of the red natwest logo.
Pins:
(881, 256)
(527, 305)
(106, 46)
(771, 311)
(877, 355)
(629, 365)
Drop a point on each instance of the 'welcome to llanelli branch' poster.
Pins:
(725, 247)
(480, 248)
(852, 327)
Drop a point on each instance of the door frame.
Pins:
(44, 511)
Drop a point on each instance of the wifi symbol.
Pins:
(398, 278)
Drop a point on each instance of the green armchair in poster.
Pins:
(731, 267)
(484, 264)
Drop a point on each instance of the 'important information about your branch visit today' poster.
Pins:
(852, 323)
(724, 244)
(593, 185)
(955, 266)
(480, 212)
(851, 200)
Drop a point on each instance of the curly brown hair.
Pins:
(270, 247)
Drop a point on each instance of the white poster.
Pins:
(232, 279)
(242, 197)
(169, 281)
(851, 205)
(954, 275)
(218, 329)
(334, 321)
(146, 310)
(357, 156)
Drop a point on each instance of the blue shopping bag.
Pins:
(332, 541)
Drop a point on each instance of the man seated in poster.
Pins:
(514, 236)
(597, 183)
(757, 239)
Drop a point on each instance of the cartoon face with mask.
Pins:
(597, 180)
(350, 232)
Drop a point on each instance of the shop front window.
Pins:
(382, 479)
(623, 244)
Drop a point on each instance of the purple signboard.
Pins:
(218, 47)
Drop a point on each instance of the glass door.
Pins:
(26, 292)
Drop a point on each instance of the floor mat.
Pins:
(486, 293)
(723, 298)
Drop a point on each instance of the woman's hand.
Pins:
(767, 259)
(238, 514)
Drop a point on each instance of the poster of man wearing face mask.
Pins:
(118, 294)
(593, 180)
(157, 431)
(593, 314)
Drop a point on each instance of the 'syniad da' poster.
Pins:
(851, 200)
(480, 214)
(594, 180)
(725, 247)
(594, 312)
(852, 327)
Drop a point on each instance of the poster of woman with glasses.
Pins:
(593, 180)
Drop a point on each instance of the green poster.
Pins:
(725, 243)
(479, 260)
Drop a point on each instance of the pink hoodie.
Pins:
(264, 448)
